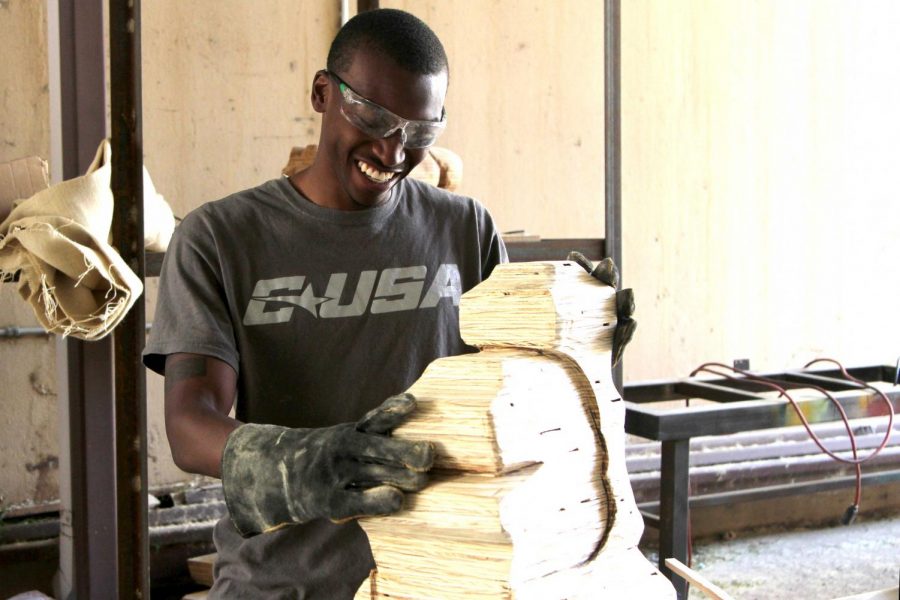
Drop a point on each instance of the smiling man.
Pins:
(309, 305)
(366, 148)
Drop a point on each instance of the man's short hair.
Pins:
(400, 36)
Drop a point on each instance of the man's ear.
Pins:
(320, 91)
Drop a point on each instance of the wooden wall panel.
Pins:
(29, 449)
(525, 108)
(226, 91)
(759, 187)
(24, 96)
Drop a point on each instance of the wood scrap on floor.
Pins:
(530, 497)
(700, 582)
(201, 568)
(885, 594)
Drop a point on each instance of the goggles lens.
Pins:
(378, 122)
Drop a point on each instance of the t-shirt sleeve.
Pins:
(192, 312)
(493, 250)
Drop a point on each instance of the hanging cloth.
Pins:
(58, 242)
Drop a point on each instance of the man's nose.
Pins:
(389, 150)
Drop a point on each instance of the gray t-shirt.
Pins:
(323, 314)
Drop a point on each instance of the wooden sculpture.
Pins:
(529, 497)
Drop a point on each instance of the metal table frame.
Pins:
(738, 407)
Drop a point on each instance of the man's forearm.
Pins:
(197, 435)
(199, 394)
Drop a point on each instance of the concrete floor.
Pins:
(819, 563)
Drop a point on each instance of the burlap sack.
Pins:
(58, 242)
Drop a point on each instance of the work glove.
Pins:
(274, 476)
(607, 272)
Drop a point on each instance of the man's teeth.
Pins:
(373, 173)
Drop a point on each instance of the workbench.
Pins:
(732, 406)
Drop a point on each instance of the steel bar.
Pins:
(757, 455)
(88, 536)
(14, 332)
(777, 491)
(81, 79)
(554, 249)
(826, 383)
(653, 391)
(86, 387)
(716, 419)
(128, 235)
(746, 440)
(673, 513)
(17, 332)
(612, 132)
(651, 519)
(694, 388)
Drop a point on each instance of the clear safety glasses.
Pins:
(378, 122)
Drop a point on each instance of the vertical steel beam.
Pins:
(86, 385)
(673, 509)
(81, 75)
(128, 239)
(613, 140)
(84, 368)
(85, 372)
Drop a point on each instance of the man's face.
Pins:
(364, 169)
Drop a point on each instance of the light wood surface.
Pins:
(697, 580)
(885, 594)
(201, 568)
(530, 497)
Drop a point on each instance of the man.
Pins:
(308, 302)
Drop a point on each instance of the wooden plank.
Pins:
(699, 581)
(201, 568)
(884, 594)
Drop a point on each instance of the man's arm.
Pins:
(271, 475)
(199, 394)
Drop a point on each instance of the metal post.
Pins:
(613, 140)
(85, 373)
(673, 509)
(128, 239)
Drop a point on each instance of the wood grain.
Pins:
(530, 497)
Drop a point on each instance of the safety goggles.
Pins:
(378, 122)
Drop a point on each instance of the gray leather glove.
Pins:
(274, 476)
(607, 272)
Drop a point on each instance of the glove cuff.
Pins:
(252, 481)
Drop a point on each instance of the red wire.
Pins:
(856, 461)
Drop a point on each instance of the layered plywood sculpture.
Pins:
(529, 497)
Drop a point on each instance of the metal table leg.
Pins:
(673, 509)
